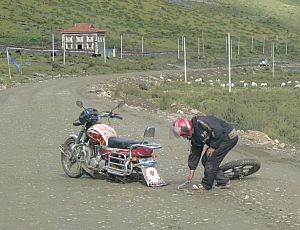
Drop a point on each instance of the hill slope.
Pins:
(160, 22)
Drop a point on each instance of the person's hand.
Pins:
(210, 151)
(191, 175)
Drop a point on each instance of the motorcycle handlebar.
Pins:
(119, 117)
(77, 123)
(110, 115)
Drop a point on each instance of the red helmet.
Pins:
(182, 127)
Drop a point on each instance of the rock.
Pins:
(2, 87)
(194, 111)
(282, 145)
(180, 111)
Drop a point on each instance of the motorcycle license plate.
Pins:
(151, 175)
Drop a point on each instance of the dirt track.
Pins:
(36, 194)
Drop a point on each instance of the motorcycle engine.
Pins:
(97, 162)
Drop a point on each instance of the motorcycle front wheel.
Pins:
(69, 163)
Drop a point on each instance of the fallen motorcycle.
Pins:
(240, 168)
(97, 150)
(237, 169)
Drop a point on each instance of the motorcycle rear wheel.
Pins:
(240, 168)
(71, 167)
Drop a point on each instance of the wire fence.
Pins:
(201, 51)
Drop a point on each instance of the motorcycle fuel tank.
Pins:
(100, 133)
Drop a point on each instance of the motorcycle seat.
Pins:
(122, 143)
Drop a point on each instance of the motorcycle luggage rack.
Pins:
(118, 164)
(148, 140)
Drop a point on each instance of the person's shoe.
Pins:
(199, 187)
(224, 186)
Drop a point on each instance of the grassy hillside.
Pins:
(160, 22)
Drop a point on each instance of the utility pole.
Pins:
(142, 44)
(264, 45)
(273, 56)
(121, 46)
(229, 62)
(8, 57)
(178, 48)
(239, 47)
(184, 51)
(202, 45)
(53, 47)
(104, 49)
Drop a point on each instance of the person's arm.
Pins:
(193, 160)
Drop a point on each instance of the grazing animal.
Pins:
(199, 80)
(253, 84)
(264, 84)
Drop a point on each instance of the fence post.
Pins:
(184, 54)
(229, 62)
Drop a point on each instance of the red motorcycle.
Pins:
(98, 151)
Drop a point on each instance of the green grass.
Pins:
(274, 110)
(161, 23)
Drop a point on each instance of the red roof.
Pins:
(83, 28)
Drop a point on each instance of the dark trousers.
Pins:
(211, 164)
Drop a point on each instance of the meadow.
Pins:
(254, 27)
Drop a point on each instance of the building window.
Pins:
(68, 38)
(100, 39)
(69, 46)
(90, 46)
(79, 38)
(79, 46)
(89, 38)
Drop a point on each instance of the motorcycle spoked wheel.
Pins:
(240, 168)
(71, 167)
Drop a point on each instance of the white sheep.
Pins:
(199, 80)
(222, 85)
(297, 86)
(253, 84)
(232, 84)
(264, 84)
(282, 84)
(246, 84)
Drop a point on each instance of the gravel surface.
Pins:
(36, 194)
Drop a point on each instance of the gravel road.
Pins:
(36, 194)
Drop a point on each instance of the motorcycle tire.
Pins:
(71, 167)
(240, 168)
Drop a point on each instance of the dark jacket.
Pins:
(209, 130)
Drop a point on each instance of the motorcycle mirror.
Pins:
(121, 103)
(79, 104)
